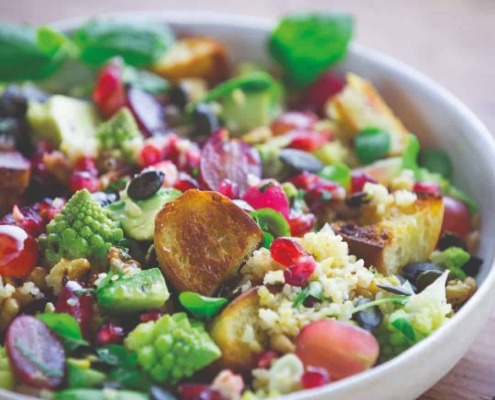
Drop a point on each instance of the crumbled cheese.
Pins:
(404, 198)
(274, 277)
(405, 181)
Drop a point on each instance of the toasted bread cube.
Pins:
(202, 239)
(15, 172)
(400, 237)
(360, 106)
(194, 57)
(236, 333)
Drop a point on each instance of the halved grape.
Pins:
(35, 353)
(222, 159)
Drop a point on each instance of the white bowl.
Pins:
(439, 119)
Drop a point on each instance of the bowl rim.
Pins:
(383, 61)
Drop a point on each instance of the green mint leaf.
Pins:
(66, 328)
(139, 43)
(201, 307)
(308, 44)
(410, 154)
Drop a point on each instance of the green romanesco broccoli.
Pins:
(453, 259)
(6, 375)
(172, 347)
(83, 229)
(120, 135)
(420, 316)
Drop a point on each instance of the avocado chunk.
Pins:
(132, 293)
(243, 111)
(80, 375)
(69, 124)
(137, 217)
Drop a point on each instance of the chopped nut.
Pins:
(458, 292)
(72, 269)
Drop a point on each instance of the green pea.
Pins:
(338, 172)
(371, 144)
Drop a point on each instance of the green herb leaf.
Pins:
(117, 355)
(201, 307)
(250, 82)
(145, 80)
(393, 299)
(339, 173)
(267, 240)
(404, 326)
(410, 154)
(371, 144)
(30, 54)
(314, 290)
(308, 44)
(453, 259)
(66, 328)
(139, 43)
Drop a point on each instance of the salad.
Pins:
(176, 227)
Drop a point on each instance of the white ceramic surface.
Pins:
(439, 119)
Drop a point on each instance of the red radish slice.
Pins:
(268, 193)
(35, 353)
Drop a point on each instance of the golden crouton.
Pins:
(202, 239)
(359, 106)
(194, 57)
(237, 335)
(401, 236)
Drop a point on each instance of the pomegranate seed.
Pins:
(314, 377)
(307, 140)
(87, 164)
(266, 358)
(228, 189)
(109, 94)
(427, 187)
(150, 155)
(287, 251)
(83, 180)
(150, 316)
(80, 306)
(196, 391)
(358, 180)
(109, 333)
(301, 224)
(317, 94)
(305, 180)
(33, 218)
(299, 273)
(185, 182)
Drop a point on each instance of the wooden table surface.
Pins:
(452, 41)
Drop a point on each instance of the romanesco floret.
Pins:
(452, 258)
(120, 135)
(172, 347)
(6, 375)
(423, 313)
(83, 229)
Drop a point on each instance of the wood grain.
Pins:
(452, 41)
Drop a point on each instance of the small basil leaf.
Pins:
(66, 328)
(410, 154)
(267, 240)
(314, 290)
(436, 161)
(26, 55)
(201, 307)
(139, 43)
(308, 44)
(404, 326)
